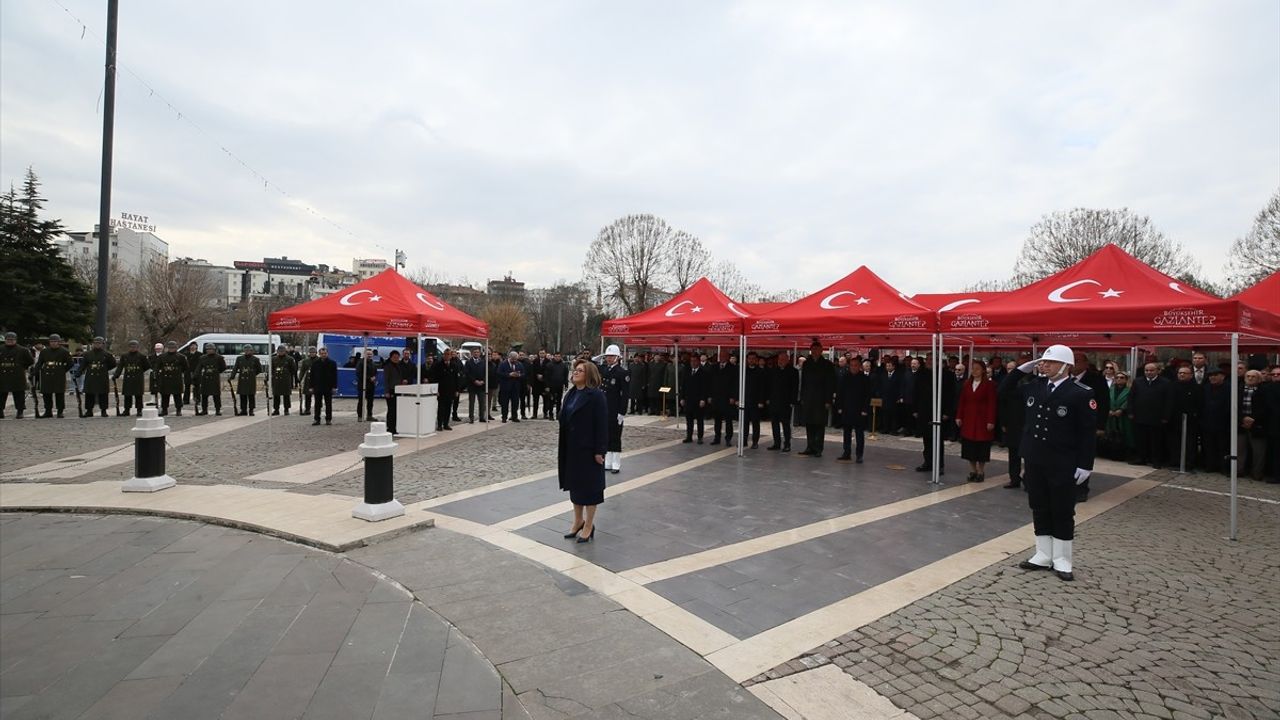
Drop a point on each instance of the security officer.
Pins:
(304, 374)
(191, 380)
(171, 368)
(14, 361)
(52, 367)
(247, 369)
(97, 365)
(208, 374)
(134, 365)
(616, 383)
(1058, 442)
(283, 370)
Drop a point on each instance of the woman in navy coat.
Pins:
(584, 439)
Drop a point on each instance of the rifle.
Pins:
(75, 383)
(35, 393)
(116, 388)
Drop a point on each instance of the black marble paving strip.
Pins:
(747, 596)
(730, 501)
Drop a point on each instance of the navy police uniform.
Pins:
(1058, 436)
(616, 383)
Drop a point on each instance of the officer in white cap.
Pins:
(1058, 443)
(616, 383)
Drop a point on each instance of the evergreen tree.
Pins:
(41, 292)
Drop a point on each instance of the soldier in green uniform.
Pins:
(190, 381)
(283, 371)
(96, 365)
(14, 361)
(134, 365)
(304, 372)
(171, 367)
(246, 371)
(208, 374)
(52, 367)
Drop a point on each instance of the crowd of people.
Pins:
(1172, 414)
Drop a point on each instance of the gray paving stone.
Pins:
(81, 687)
(281, 687)
(374, 635)
(468, 683)
(132, 699)
(185, 651)
(347, 693)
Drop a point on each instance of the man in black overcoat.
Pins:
(695, 395)
(784, 388)
(1150, 407)
(853, 408)
(817, 389)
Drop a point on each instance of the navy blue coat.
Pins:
(506, 383)
(1060, 429)
(853, 399)
(584, 433)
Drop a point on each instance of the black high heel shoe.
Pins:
(574, 533)
(590, 537)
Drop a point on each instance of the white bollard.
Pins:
(378, 450)
(148, 454)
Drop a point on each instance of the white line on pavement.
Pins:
(1223, 494)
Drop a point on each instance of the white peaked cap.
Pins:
(1059, 353)
(613, 350)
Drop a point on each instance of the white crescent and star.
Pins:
(734, 309)
(426, 301)
(347, 299)
(1175, 286)
(1056, 295)
(828, 302)
(671, 312)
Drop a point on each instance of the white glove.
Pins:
(1082, 475)
(1028, 367)
(620, 416)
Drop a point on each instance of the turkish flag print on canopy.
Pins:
(942, 302)
(701, 311)
(860, 306)
(1109, 293)
(385, 304)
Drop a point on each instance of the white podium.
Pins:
(416, 410)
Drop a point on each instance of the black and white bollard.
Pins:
(378, 450)
(148, 454)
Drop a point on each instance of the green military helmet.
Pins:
(11, 335)
(172, 344)
(210, 346)
(55, 337)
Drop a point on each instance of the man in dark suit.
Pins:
(922, 411)
(1010, 416)
(1058, 444)
(510, 382)
(1150, 406)
(753, 399)
(889, 390)
(784, 386)
(1188, 404)
(853, 408)
(817, 390)
(1087, 375)
(1252, 422)
(724, 397)
(695, 395)
(474, 371)
(1216, 422)
(444, 373)
(324, 379)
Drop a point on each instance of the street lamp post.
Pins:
(108, 139)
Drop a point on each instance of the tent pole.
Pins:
(1235, 428)
(364, 373)
(485, 414)
(417, 405)
(935, 440)
(675, 362)
(270, 351)
(742, 391)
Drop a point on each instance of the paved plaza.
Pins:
(765, 586)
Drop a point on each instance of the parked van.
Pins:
(231, 345)
(471, 349)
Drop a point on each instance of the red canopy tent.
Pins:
(858, 309)
(699, 313)
(385, 304)
(1264, 295)
(1112, 298)
(1109, 298)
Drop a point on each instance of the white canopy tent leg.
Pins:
(675, 360)
(935, 348)
(364, 374)
(1235, 429)
(742, 391)
(417, 404)
(271, 350)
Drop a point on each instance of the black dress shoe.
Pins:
(754, 445)
(805, 453)
(774, 446)
(816, 455)
(572, 534)
(1064, 576)
(317, 422)
(845, 457)
(1012, 484)
(858, 460)
(615, 472)
(715, 441)
(699, 441)
(588, 538)
(786, 448)
(1028, 565)
(923, 468)
(688, 440)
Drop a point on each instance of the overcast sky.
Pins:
(799, 140)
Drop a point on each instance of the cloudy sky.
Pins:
(798, 139)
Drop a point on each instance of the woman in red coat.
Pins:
(976, 418)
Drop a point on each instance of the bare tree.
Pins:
(1063, 238)
(789, 295)
(1257, 254)
(989, 286)
(557, 316)
(175, 301)
(726, 276)
(688, 260)
(507, 324)
(630, 259)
